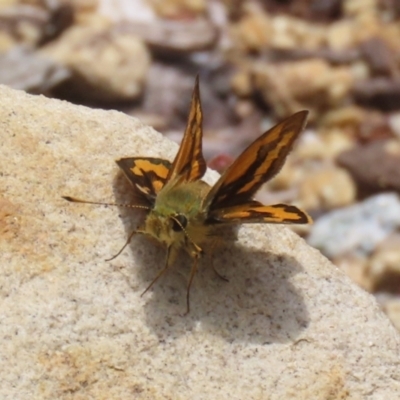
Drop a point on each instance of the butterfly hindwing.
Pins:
(255, 212)
(147, 175)
(261, 161)
(189, 164)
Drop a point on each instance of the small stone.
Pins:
(289, 176)
(107, 65)
(22, 24)
(22, 68)
(178, 8)
(392, 309)
(327, 189)
(356, 267)
(354, 8)
(374, 166)
(357, 229)
(382, 93)
(327, 144)
(339, 35)
(394, 123)
(166, 37)
(379, 56)
(291, 33)
(253, 32)
(241, 83)
(312, 84)
(384, 266)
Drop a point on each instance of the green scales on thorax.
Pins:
(178, 215)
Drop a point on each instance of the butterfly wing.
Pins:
(257, 164)
(254, 212)
(189, 164)
(147, 175)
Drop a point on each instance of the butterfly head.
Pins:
(168, 229)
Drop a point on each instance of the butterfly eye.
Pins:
(179, 222)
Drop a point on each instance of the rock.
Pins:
(379, 56)
(22, 68)
(290, 33)
(178, 8)
(21, 24)
(340, 34)
(384, 266)
(166, 37)
(358, 8)
(107, 65)
(357, 229)
(382, 93)
(253, 32)
(287, 325)
(355, 267)
(394, 123)
(311, 84)
(306, 9)
(325, 145)
(326, 189)
(392, 309)
(32, 25)
(374, 166)
(374, 126)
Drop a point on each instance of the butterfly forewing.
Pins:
(147, 175)
(261, 161)
(189, 164)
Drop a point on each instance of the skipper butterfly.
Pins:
(183, 211)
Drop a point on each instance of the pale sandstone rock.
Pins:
(288, 325)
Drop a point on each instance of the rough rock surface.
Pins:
(288, 325)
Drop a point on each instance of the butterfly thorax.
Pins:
(177, 217)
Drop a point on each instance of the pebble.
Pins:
(394, 123)
(178, 8)
(107, 65)
(374, 166)
(357, 229)
(311, 84)
(392, 309)
(384, 266)
(327, 189)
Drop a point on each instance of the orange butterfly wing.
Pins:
(147, 175)
(256, 212)
(261, 161)
(230, 200)
(189, 164)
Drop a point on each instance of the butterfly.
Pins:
(182, 211)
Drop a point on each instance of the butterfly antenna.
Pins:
(75, 200)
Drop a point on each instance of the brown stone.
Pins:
(374, 166)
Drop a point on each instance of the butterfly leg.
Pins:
(213, 245)
(123, 247)
(171, 254)
(196, 255)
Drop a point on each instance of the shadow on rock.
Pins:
(259, 304)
